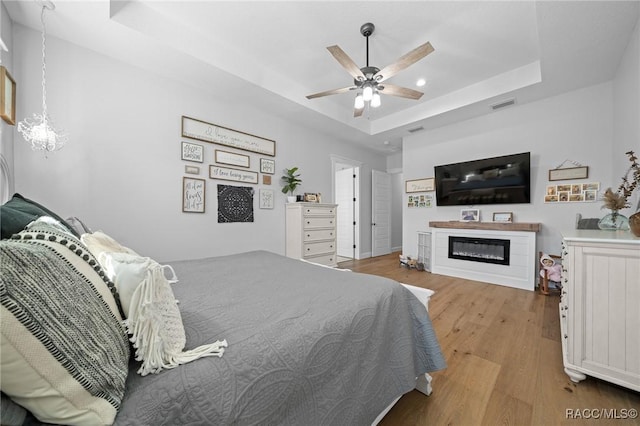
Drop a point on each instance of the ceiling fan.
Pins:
(367, 80)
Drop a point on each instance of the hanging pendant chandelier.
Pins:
(39, 130)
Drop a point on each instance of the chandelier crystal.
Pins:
(39, 130)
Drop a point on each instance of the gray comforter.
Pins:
(308, 345)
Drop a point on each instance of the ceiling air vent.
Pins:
(415, 129)
(502, 104)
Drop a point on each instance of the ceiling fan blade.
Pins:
(358, 112)
(405, 61)
(330, 92)
(402, 92)
(346, 62)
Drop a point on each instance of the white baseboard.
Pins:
(364, 255)
(393, 249)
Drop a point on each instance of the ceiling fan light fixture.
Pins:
(421, 82)
(359, 103)
(367, 92)
(375, 100)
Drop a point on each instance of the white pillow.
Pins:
(127, 271)
(153, 318)
(98, 242)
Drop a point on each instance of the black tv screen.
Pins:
(496, 180)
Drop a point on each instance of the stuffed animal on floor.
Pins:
(551, 269)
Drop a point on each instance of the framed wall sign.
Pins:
(192, 152)
(231, 158)
(569, 173)
(7, 96)
(193, 192)
(420, 185)
(192, 170)
(267, 166)
(208, 132)
(236, 175)
(266, 198)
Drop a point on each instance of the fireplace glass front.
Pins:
(487, 250)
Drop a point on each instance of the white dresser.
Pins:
(600, 306)
(311, 232)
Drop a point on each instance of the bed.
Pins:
(307, 344)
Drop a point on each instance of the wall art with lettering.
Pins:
(266, 198)
(236, 175)
(192, 152)
(209, 132)
(235, 204)
(193, 193)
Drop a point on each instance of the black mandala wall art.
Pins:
(235, 204)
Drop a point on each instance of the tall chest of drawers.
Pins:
(311, 232)
(599, 306)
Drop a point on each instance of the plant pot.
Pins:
(291, 199)
(614, 222)
(634, 224)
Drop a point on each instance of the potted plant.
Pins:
(291, 181)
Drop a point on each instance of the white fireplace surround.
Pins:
(522, 269)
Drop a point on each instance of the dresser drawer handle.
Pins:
(308, 223)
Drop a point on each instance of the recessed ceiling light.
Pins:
(421, 82)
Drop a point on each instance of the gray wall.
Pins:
(121, 170)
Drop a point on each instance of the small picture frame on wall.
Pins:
(193, 193)
(192, 170)
(7, 96)
(420, 185)
(192, 152)
(267, 166)
(232, 158)
(469, 215)
(569, 173)
(506, 217)
(266, 198)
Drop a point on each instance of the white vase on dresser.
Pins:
(600, 306)
(311, 232)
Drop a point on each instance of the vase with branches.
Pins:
(616, 201)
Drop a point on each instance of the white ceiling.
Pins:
(273, 54)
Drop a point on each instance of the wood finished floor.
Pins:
(504, 357)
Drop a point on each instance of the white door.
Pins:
(344, 191)
(381, 213)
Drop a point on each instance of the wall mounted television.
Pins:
(496, 180)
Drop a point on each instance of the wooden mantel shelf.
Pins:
(495, 226)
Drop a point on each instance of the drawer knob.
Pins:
(308, 222)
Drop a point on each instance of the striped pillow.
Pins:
(64, 350)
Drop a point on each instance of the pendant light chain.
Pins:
(39, 130)
(44, 65)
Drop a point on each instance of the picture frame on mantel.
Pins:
(470, 215)
(503, 217)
